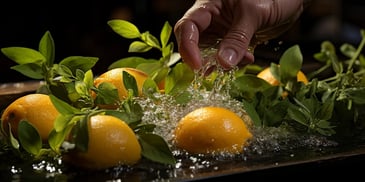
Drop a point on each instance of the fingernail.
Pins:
(229, 56)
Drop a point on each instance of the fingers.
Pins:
(235, 45)
(187, 31)
(187, 36)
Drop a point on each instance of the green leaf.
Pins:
(348, 50)
(156, 149)
(14, 142)
(276, 113)
(149, 87)
(62, 121)
(356, 94)
(326, 110)
(150, 67)
(82, 134)
(31, 70)
(79, 62)
(64, 71)
(178, 79)
(139, 46)
(130, 83)
(150, 40)
(29, 137)
(165, 34)
(251, 111)
(107, 93)
(290, 63)
(123, 115)
(47, 48)
(62, 106)
(89, 79)
(22, 55)
(130, 62)
(144, 128)
(55, 139)
(250, 84)
(81, 88)
(124, 28)
(296, 114)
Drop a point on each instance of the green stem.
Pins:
(357, 53)
(317, 72)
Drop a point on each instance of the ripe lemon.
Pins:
(266, 75)
(111, 142)
(35, 108)
(115, 77)
(212, 130)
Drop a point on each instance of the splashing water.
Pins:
(166, 113)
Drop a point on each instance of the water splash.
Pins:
(166, 113)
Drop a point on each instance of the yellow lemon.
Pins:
(212, 130)
(115, 77)
(111, 143)
(37, 109)
(266, 75)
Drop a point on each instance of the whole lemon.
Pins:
(212, 130)
(35, 108)
(266, 75)
(115, 77)
(111, 142)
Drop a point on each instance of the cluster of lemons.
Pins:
(112, 142)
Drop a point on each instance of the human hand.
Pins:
(239, 25)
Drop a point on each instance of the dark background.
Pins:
(80, 28)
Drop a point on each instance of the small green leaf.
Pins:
(130, 83)
(251, 111)
(145, 128)
(165, 34)
(80, 75)
(79, 62)
(149, 88)
(62, 106)
(55, 139)
(295, 113)
(89, 79)
(348, 50)
(14, 142)
(82, 134)
(325, 111)
(139, 46)
(124, 28)
(107, 93)
(131, 62)
(156, 149)
(81, 88)
(64, 71)
(29, 137)
(150, 40)
(23, 55)
(356, 94)
(62, 121)
(290, 63)
(178, 79)
(124, 116)
(47, 48)
(251, 84)
(31, 70)
(150, 67)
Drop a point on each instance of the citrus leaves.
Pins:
(156, 69)
(70, 83)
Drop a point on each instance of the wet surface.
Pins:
(339, 159)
